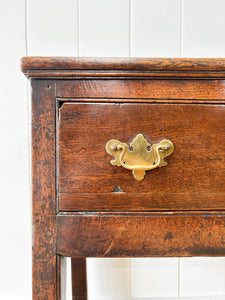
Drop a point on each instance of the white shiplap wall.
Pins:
(151, 28)
(15, 230)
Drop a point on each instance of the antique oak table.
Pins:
(128, 160)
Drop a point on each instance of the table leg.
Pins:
(79, 280)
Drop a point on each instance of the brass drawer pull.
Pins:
(140, 156)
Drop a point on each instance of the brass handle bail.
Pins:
(140, 156)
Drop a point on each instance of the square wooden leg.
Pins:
(79, 278)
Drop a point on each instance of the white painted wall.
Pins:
(152, 28)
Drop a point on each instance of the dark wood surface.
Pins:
(45, 265)
(179, 99)
(62, 67)
(192, 180)
(142, 90)
(141, 235)
(122, 63)
(79, 279)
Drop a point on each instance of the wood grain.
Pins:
(192, 180)
(145, 235)
(125, 63)
(177, 210)
(62, 67)
(142, 90)
(79, 278)
(45, 264)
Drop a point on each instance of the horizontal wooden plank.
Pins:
(61, 67)
(143, 89)
(168, 234)
(125, 63)
(119, 201)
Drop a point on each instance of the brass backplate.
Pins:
(140, 156)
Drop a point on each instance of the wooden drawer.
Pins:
(192, 180)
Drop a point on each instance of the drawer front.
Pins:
(192, 180)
